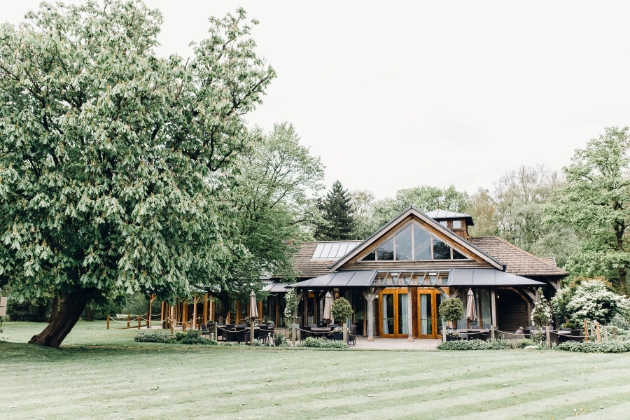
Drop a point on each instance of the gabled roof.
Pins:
(517, 260)
(429, 221)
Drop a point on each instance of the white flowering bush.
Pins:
(593, 300)
(541, 314)
(291, 303)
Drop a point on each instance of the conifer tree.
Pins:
(338, 215)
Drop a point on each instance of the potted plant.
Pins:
(451, 310)
(452, 335)
(342, 310)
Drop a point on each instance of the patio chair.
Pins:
(352, 335)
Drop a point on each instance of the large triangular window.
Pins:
(415, 243)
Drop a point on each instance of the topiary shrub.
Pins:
(320, 343)
(154, 337)
(341, 309)
(160, 336)
(473, 345)
(541, 314)
(452, 309)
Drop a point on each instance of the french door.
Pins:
(394, 313)
(429, 321)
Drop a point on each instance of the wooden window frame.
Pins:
(394, 292)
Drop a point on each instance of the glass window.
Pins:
(403, 244)
(426, 315)
(388, 314)
(326, 250)
(457, 224)
(422, 243)
(403, 311)
(444, 223)
(334, 250)
(385, 252)
(441, 251)
(370, 256)
(318, 251)
(458, 255)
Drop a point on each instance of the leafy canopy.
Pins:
(108, 152)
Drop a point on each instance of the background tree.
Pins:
(338, 215)
(362, 201)
(268, 196)
(596, 201)
(107, 153)
(481, 206)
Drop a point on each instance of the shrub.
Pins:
(279, 340)
(324, 344)
(473, 345)
(452, 309)
(593, 300)
(160, 336)
(154, 337)
(541, 314)
(620, 321)
(613, 346)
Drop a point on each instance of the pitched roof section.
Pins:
(516, 260)
(455, 238)
(310, 267)
(445, 214)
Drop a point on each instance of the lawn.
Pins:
(101, 373)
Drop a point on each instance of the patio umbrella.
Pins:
(253, 307)
(471, 311)
(328, 300)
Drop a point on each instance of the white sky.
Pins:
(399, 94)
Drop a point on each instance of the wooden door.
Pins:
(393, 313)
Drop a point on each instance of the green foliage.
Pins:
(338, 215)
(361, 202)
(321, 343)
(180, 337)
(452, 309)
(280, 340)
(596, 202)
(620, 321)
(592, 300)
(267, 196)
(473, 345)
(541, 313)
(613, 346)
(290, 306)
(341, 309)
(155, 337)
(110, 154)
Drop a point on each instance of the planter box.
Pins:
(449, 338)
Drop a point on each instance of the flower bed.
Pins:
(324, 344)
(613, 346)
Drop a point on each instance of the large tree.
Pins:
(596, 201)
(107, 153)
(338, 215)
(269, 197)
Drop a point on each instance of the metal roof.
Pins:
(275, 287)
(487, 277)
(340, 279)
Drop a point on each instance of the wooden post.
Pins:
(151, 299)
(205, 308)
(492, 332)
(162, 315)
(614, 333)
(108, 322)
(139, 321)
(128, 320)
(194, 321)
(214, 328)
(369, 297)
(585, 330)
(605, 334)
(172, 321)
(184, 325)
(493, 301)
(548, 335)
(599, 336)
(410, 316)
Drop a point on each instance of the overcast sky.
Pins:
(393, 95)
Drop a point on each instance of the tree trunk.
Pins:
(54, 310)
(70, 310)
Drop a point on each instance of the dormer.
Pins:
(457, 222)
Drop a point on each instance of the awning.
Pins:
(487, 277)
(275, 287)
(340, 279)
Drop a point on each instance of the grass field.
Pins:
(101, 373)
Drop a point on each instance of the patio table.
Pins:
(320, 331)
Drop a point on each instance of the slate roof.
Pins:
(516, 260)
(445, 214)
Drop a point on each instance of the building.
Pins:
(397, 278)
